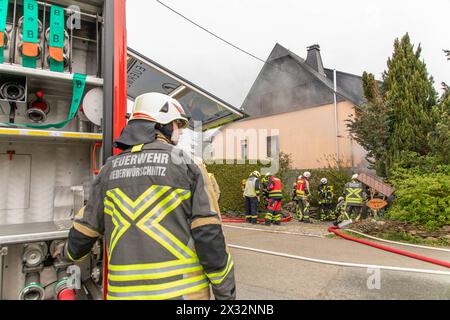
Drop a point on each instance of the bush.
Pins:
(422, 191)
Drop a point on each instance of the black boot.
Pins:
(268, 223)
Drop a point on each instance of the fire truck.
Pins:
(66, 78)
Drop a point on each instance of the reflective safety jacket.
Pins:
(252, 187)
(162, 226)
(326, 194)
(243, 183)
(354, 193)
(275, 189)
(302, 187)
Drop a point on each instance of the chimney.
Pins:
(314, 59)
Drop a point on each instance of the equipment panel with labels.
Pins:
(51, 132)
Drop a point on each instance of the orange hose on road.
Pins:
(389, 249)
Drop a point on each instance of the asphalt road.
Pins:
(265, 277)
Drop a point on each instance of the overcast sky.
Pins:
(354, 36)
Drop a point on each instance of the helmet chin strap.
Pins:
(167, 131)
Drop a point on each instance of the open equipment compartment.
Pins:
(46, 171)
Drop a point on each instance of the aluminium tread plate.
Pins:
(33, 232)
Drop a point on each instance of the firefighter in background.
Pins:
(265, 185)
(301, 194)
(162, 224)
(252, 196)
(355, 195)
(326, 196)
(275, 195)
(340, 213)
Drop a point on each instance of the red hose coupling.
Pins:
(67, 294)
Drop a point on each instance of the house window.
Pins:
(244, 149)
(273, 146)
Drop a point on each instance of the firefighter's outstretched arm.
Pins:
(209, 239)
(88, 225)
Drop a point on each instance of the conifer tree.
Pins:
(410, 98)
(370, 127)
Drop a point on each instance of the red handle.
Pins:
(94, 163)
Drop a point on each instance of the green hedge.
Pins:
(229, 177)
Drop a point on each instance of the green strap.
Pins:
(3, 16)
(79, 84)
(30, 29)
(56, 35)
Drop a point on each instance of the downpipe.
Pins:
(335, 230)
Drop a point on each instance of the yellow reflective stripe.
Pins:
(137, 277)
(108, 212)
(175, 240)
(161, 216)
(174, 205)
(158, 265)
(155, 210)
(219, 277)
(119, 204)
(163, 296)
(162, 242)
(134, 204)
(155, 287)
(79, 260)
(137, 148)
(125, 226)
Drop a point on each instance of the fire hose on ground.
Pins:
(393, 250)
(244, 220)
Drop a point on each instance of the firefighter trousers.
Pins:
(252, 209)
(273, 214)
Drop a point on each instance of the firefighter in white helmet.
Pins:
(158, 214)
(301, 194)
(355, 196)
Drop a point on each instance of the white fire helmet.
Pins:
(324, 181)
(159, 108)
(307, 175)
(355, 177)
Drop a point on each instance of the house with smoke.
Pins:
(298, 107)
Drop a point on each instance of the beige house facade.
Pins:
(297, 107)
(308, 135)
